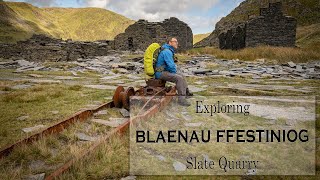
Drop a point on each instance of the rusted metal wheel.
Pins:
(117, 97)
(125, 97)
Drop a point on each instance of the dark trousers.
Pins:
(178, 79)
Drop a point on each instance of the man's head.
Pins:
(172, 41)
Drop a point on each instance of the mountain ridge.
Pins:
(20, 20)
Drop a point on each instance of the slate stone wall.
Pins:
(41, 48)
(271, 27)
(141, 34)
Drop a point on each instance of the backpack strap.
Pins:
(161, 68)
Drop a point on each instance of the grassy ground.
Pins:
(278, 54)
(49, 153)
(79, 171)
(308, 37)
(38, 103)
(111, 160)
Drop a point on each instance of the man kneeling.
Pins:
(166, 70)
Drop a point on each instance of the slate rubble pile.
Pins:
(42, 48)
(196, 66)
(254, 69)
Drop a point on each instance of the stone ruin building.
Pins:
(141, 34)
(271, 27)
(136, 37)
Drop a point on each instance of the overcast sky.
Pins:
(200, 15)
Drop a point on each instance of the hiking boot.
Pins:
(183, 102)
(189, 93)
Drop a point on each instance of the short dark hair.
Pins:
(170, 38)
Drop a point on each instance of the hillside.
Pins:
(307, 13)
(20, 20)
(199, 37)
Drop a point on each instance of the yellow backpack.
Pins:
(150, 58)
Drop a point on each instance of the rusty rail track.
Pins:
(118, 130)
(56, 128)
(121, 98)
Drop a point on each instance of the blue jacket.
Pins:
(165, 59)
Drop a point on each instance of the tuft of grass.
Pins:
(35, 94)
(75, 87)
(182, 57)
(7, 88)
(115, 71)
(280, 54)
(109, 161)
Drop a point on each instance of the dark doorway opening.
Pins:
(130, 43)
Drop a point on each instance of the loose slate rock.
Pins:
(299, 68)
(36, 165)
(84, 137)
(24, 63)
(104, 112)
(8, 63)
(65, 77)
(125, 113)
(28, 68)
(35, 177)
(74, 73)
(101, 121)
(129, 178)
(35, 75)
(161, 158)
(291, 64)
(114, 122)
(178, 166)
(195, 89)
(170, 116)
(251, 172)
(21, 86)
(54, 112)
(22, 118)
(34, 128)
(193, 124)
(115, 82)
(44, 81)
(104, 87)
(130, 76)
(110, 77)
(186, 117)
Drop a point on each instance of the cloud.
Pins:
(193, 12)
(42, 3)
(200, 24)
(158, 10)
(95, 3)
